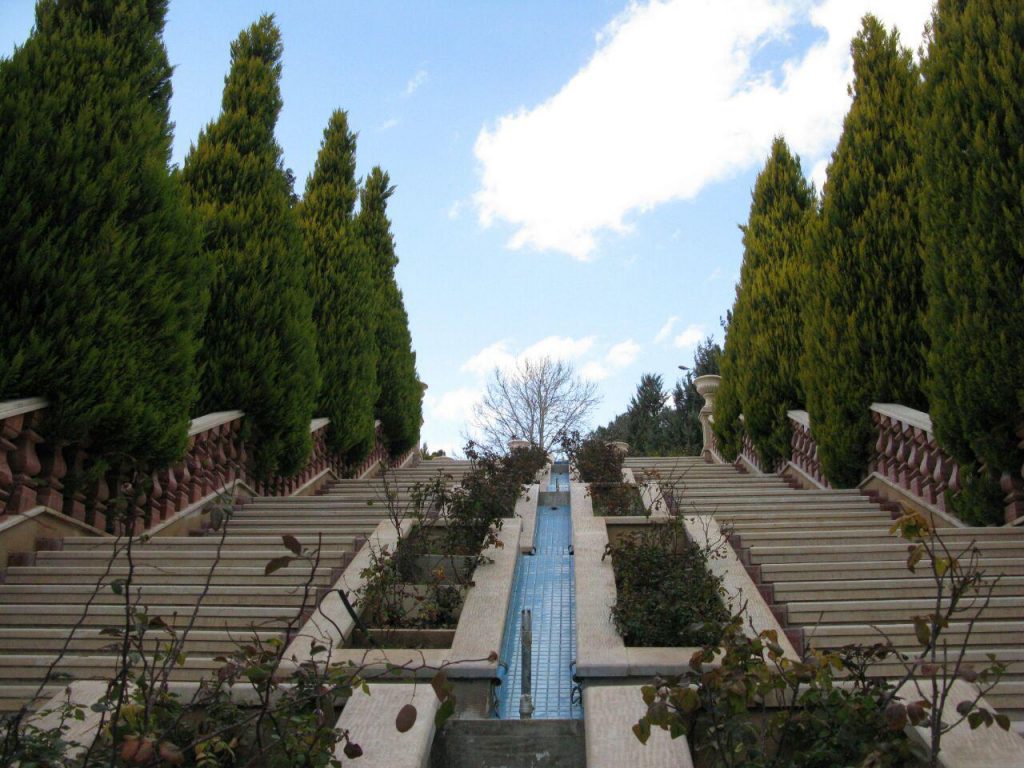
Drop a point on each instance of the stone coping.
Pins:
(800, 417)
(14, 520)
(600, 651)
(477, 636)
(318, 423)
(79, 733)
(526, 511)
(990, 747)
(611, 711)
(370, 720)
(195, 508)
(910, 416)
(211, 420)
(9, 408)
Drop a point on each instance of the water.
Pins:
(544, 583)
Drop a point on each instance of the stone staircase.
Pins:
(50, 599)
(835, 575)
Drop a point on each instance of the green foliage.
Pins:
(665, 593)
(647, 417)
(721, 706)
(344, 294)
(259, 344)
(762, 346)
(972, 172)
(863, 337)
(600, 466)
(400, 402)
(103, 289)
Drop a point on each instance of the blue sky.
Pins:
(570, 175)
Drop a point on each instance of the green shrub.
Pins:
(665, 593)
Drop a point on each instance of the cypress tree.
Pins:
(863, 337)
(399, 405)
(972, 170)
(646, 416)
(762, 347)
(102, 288)
(259, 347)
(344, 294)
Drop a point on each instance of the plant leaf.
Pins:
(406, 718)
(277, 564)
(292, 543)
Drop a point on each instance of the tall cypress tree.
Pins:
(646, 416)
(259, 346)
(400, 403)
(972, 169)
(762, 347)
(863, 337)
(102, 286)
(344, 294)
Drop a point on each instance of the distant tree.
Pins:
(538, 400)
(646, 417)
(762, 347)
(259, 344)
(102, 287)
(863, 337)
(972, 210)
(344, 294)
(400, 400)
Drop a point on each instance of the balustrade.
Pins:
(804, 448)
(62, 476)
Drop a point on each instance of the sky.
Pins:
(570, 176)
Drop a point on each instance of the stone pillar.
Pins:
(707, 387)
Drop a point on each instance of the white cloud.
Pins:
(666, 330)
(716, 274)
(490, 357)
(455, 210)
(559, 348)
(670, 102)
(388, 124)
(455, 405)
(623, 353)
(416, 81)
(594, 371)
(690, 336)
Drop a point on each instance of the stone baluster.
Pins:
(707, 387)
(184, 475)
(96, 506)
(10, 428)
(75, 498)
(25, 466)
(154, 500)
(168, 504)
(54, 468)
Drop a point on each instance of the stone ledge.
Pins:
(526, 511)
(9, 408)
(909, 416)
(211, 420)
(370, 719)
(611, 713)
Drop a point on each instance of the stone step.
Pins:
(985, 634)
(154, 573)
(955, 538)
(19, 668)
(212, 541)
(892, 610)
(804, 517)
(40, 639)
(792, 592)
(783, 493)
(14, 696)
(826, 553)
(150, 595)
(802, 528)
(889, 569)
(193, 557)
(236, 618)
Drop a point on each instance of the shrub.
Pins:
(665, 593)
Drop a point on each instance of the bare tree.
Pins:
(538, 400)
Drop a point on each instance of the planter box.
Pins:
(476, 637)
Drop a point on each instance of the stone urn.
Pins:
(516, 445)
(620, 445)
(707, 386)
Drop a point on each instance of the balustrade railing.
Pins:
(36, 472)
(804, 449)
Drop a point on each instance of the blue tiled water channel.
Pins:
(544, 583)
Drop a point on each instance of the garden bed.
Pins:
(665, 593)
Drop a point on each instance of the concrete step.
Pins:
(891, 610)
(42, 639)
(236, 618)
(154, 573)
(233, 539)
(194, 557)
(985, 634)
(792, 592)
(887, 569)
(825, 553)
(878, 534)
(150, 595)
